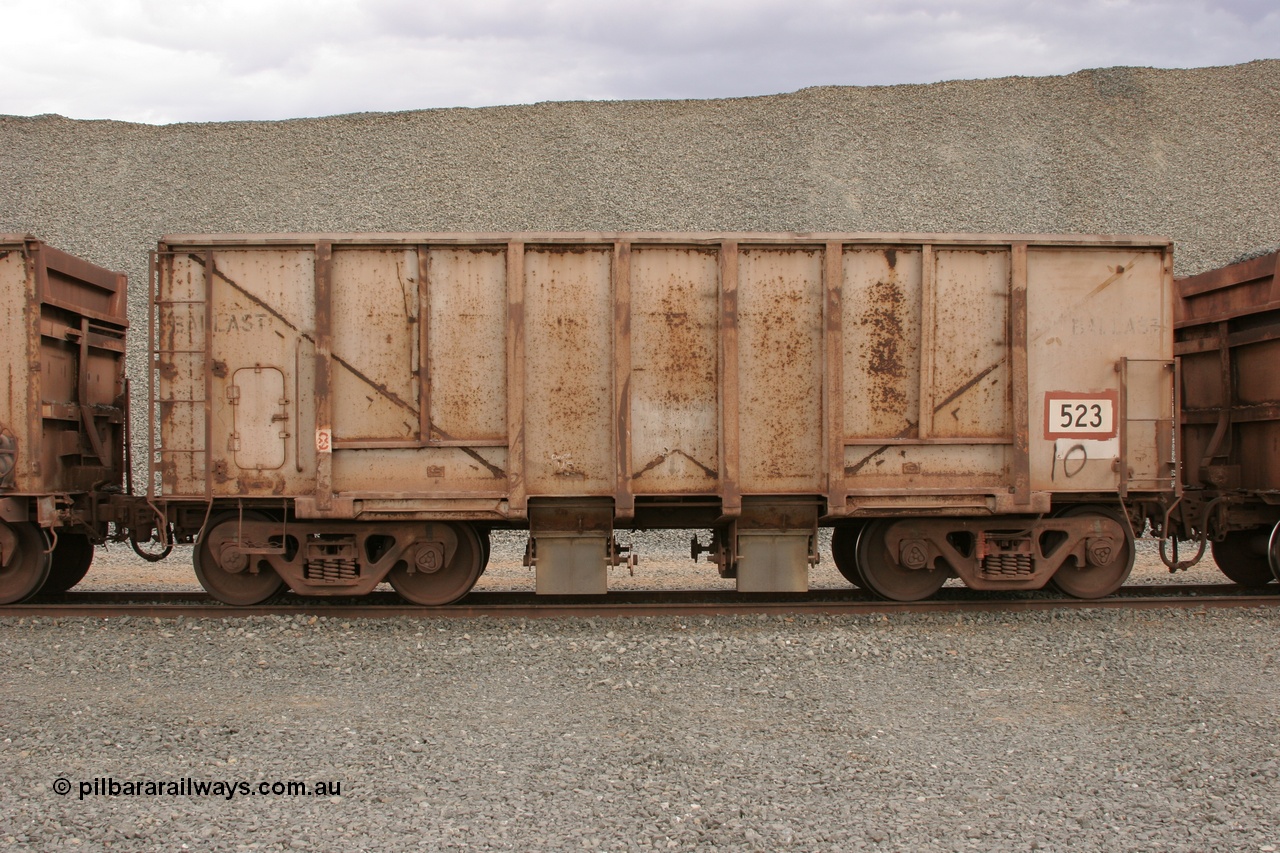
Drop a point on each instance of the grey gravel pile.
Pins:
(1089, 730)
(1256, 252)
(1188, 154)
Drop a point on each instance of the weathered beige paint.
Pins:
(881, 322)
(674, 371)
(925, 409)
(568, 375)
(971, 342)
(16, 288)
(780, 299)
(1089, 309)
(375, 344)
(467, 362)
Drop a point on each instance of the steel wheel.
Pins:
(24, 566)
(446, 584)
(883, 576)
(71, 558)
(1273, 550)
(485, 547)
(1096, 581)
(1242, 557)
(844, 552)
(227, 573)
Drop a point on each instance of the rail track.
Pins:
(523, 605)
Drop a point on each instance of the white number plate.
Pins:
(1070, 414)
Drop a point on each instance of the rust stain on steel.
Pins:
(493, 470)
(250, 483)
(201, 260)
(377, 386)
(323, 296)
(884, 323)
(380, 388)
(517, 492)
(971, 329)
(569, 396)
(410, 315)
(710, 472)
(1074, 309)
(686, 359)
(1019, 378)
(730, 446)
(959, 392)
(909, 430)
(621, 275)
(781, 294)
(671, 384)
(905, 432)
(1110, 280)
(464, 361)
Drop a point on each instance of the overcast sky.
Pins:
(163, 61)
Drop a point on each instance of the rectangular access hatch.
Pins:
(261, 415)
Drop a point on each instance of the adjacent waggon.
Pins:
(1227, 325)
(62, 413)
(332, 411)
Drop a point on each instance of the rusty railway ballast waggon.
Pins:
(339, 410)
(334, 411)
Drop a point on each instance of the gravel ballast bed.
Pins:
(1082, 730)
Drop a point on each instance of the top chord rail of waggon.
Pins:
(337, 410)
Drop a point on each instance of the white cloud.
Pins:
(190, 60)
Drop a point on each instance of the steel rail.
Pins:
(524, 605)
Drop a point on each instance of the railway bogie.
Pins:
(1085, 551)
(246, 557)
(69, 561)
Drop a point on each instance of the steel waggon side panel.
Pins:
(568, 382)
(1100, 335)
(462, 375)
(673, 381)
(63, 406)
(926, 373)
(1228, 340)
(780, 305)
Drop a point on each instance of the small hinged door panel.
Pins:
(261, 415)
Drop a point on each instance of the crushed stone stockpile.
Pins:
(1100, 730)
